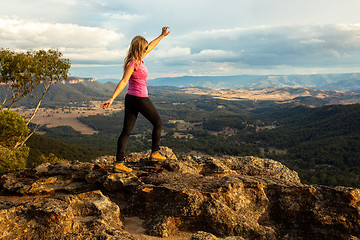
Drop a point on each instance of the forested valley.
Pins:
(320, 143)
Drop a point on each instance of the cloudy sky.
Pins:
(228, 37)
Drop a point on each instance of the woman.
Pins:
(136, 99)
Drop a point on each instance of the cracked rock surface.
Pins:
(211, 197)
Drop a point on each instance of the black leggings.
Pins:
(133, 106)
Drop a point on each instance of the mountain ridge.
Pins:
(78, 89)
(85, 89)
(257, 82)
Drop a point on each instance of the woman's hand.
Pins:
(153, 43)
(106, 104)
(165, 31)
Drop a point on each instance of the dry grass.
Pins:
(273, 94)
(68, 116)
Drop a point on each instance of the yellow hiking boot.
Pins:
(157, 156)
(121, 167)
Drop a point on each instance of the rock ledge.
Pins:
(225, 197)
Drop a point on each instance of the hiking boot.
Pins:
(157, 156)
(118, 167)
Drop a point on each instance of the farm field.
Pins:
(68, 116)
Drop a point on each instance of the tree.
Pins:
(30, 73)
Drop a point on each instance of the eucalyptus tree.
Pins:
(30, 73)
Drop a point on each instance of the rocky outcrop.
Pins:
(215, 198)
(89, 215)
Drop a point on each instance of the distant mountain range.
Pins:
(342, 82)
(277, 88)
(76, 89)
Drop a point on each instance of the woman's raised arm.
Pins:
(153, 43)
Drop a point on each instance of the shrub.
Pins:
(12, 131)
(41, 158)
(12, 128)
(12, 158)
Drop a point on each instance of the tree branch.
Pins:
(20, 144)
(46, 87)
(5, 95)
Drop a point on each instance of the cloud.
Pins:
(80, 43)
(215, 51)
(119, 15)
(261, 50)
(96, 55)
(171, 52)
(293, 45)
(217, 55)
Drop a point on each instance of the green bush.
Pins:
(12, 158)
(12, 130)
(41, 158)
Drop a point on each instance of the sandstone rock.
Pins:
(88, 215)
(234, 238)
(117, 181)
(200, 235)
(49, 179)
(105, 160)
(224, 197)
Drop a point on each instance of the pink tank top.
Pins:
(137, 82)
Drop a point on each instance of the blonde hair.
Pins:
(137, 46)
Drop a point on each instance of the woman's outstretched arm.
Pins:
(122, 84)
(154, 42)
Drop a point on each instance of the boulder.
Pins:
(89, 215)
